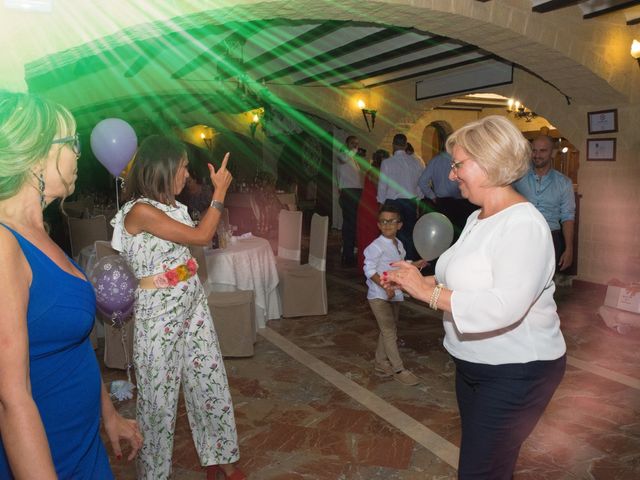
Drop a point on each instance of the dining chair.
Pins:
(289, 239)
(114, 350)
(85, 231)
(303, 288)
(233, 314)
(104, 249)
(288, 200)
(79, 208)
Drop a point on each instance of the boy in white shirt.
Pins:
(384, 303)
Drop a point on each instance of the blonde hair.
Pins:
(28, 126)
(497, 146)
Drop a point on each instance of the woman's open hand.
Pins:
(120, 428)
(221, 178)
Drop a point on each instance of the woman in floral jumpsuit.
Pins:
(175, 341)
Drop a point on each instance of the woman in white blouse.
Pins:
(495, 287)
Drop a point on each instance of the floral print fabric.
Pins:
(174, 343)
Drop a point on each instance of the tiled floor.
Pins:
(309, 406)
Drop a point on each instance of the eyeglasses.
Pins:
(456, 165)
(74, 140)
(392, 221)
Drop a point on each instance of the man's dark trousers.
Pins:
(349, 199)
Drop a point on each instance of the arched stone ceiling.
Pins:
(557, 47)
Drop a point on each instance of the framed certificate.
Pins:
(603, 121)
(603, 149)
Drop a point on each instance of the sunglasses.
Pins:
(73, 140)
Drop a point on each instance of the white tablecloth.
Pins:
(247, 264)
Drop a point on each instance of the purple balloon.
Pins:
(115, 286)
(114, 142)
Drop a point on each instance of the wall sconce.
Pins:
(635, 50)
(207, 138)
(519, 110)
(255, 120)
(368, 113)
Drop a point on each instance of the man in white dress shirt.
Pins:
(398, 185)
(350, 180)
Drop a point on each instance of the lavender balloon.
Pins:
(115, 286)
(114, 142)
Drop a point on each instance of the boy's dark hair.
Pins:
(390, 208)
(154, 169)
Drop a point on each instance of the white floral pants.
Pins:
(175, 341)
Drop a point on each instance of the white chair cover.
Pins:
(289, 235)
(233, 314)
(303, 288)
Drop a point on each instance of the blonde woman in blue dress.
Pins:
(174, 338)
(52, 399)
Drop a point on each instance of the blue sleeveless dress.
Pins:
(65, 378)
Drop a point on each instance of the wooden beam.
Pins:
(322, 30)
(449, 54)
(389, 55)
(551, 5)
(593, 10)
(368, 41)
(433, 70)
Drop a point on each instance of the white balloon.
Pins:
(432, 235)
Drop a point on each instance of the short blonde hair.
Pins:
(497, 146)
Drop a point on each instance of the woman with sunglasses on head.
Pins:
(51, 394)
(174, 341)
(495, 287)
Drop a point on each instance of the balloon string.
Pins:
(117, 195)
(126, 353)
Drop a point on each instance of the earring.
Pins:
(40, 178)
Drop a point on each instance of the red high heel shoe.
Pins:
(213, 470)
(236, 475)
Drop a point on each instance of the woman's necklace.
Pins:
(468, 230)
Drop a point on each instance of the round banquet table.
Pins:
(246, 264)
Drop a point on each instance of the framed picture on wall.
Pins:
(602, 149)
(603, 121)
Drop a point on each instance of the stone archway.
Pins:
(434, 137)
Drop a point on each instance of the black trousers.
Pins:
(558, 245)
(499, 407)
(409, 210)
(349, 199)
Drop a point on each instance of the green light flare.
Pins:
(172, 41)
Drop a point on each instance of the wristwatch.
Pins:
(217, 205)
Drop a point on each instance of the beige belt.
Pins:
(147, 283)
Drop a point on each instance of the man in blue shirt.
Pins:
(398, 185)
(444, 193)
(551, 193)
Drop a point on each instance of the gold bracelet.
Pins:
(435, 295)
